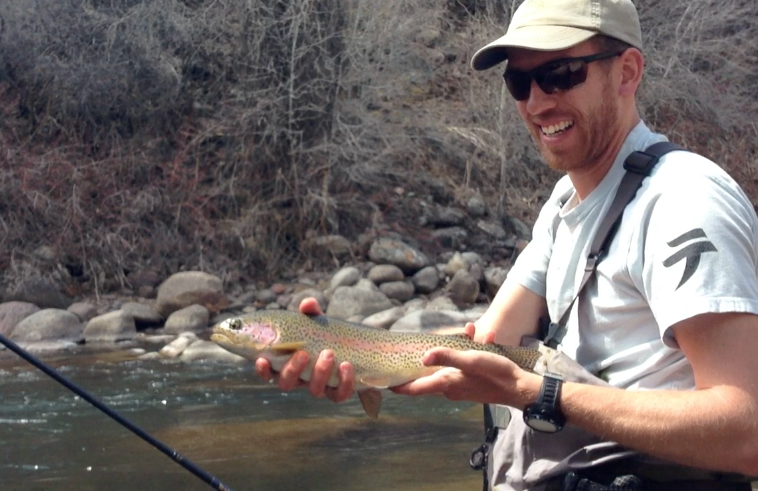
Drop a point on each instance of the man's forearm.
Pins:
(715, 428)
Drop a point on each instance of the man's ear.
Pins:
(632, 66)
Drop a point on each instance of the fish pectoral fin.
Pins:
(371, 400)
(286, 348)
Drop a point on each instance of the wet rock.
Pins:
(11, 313)
(110, 328)
(414, 304)
(188, 288)
(144, 315)
(208, 350)
(384, 273)
(366, 285)
(426, 280)
(84, 310)
(265, 296)
(402, 255)
(178, 345)
(192, 318)
(42, 292)
(347, 276)
(48, 325)
(398, 290)
(385, 318)
(348, 301)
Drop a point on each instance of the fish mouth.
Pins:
(252, 334)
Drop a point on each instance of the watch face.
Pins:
(542, 425)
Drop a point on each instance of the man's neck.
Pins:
(587, 179)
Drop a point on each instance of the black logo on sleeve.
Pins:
(691, 252)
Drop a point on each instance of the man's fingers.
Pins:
(263, 369)
(322, 370)
(346, 386)
(310, 306)
(289, 378)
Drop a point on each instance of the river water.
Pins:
(248, 434)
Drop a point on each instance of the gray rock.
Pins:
(384, 273)
(455, 264)
(426, 280)
(189, 288)
(450, 237)
(472, 258)
(414, 305)
(494, 279)
(347, 276)
(398, 290)
(494, 229)
(348, 301)
(441, 303)
(265, 296)
(11, 313)
(463, 288)
(385, 318)
(425, 320)
(84, 310)
(476, 206)
(329, 245)
(143, 315)
(207, 350)
(192, 318)
(178, 345)
(294, 303)
(42, 292)
(402, 255)
(366, 285)
(48, 325)
(522, 230)
(110, 328)
(445, 217)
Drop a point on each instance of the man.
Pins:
(670, 317)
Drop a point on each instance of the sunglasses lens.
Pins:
(562, 77)
(518, 83)
(551, 79)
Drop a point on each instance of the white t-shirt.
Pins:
(687, 245)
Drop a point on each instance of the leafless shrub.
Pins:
(170, 134)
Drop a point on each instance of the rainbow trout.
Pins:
(380, 358)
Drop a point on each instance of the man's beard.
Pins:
(598, 125)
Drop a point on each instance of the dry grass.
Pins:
(200, 134)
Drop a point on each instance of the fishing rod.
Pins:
(171, 453)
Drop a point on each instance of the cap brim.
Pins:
(540, 38)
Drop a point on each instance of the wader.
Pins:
(515, 457)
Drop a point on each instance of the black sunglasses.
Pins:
(553, 76)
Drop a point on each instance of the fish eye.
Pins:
(235, 323)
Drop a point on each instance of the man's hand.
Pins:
(289, 377)
(476, 376)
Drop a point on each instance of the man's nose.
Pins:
(538, 101)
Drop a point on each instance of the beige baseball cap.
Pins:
(551, 25)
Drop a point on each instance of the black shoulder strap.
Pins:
(638, 166)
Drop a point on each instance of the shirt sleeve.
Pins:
(700, 247)
(530, 268)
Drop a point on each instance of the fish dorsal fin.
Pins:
(371, 400)
(287, 348)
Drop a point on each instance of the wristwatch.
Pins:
(545, 415)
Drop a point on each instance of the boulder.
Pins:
(110, 328)
(192, 318)
(11, 313)
(48, 325)
(402, 255)
(40, 291)
(188, 288)
(347, 276)
(348, 301)
(426, 280)
(385, 273)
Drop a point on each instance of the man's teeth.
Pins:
(555, 128)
